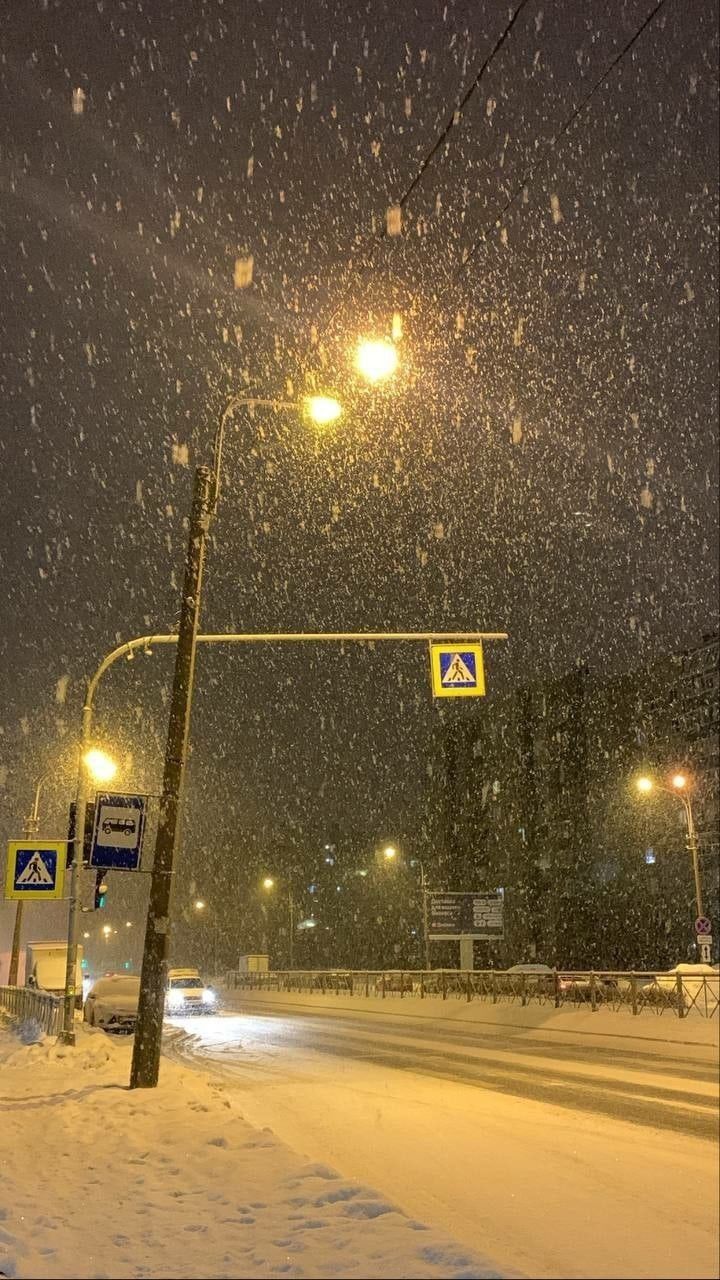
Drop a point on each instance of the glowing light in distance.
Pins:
(376, 359)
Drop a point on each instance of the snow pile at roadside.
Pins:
(98, 1181)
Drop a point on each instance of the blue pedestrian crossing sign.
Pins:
(36, 869)
(457, 670)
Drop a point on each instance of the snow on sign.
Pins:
(457, 670)
(118, 831)
(36, 869)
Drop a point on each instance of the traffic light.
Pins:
(100, 891)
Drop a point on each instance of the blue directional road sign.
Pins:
(118, 831)
(35, 869)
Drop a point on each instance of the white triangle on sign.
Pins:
(458, 672)
(36, 872)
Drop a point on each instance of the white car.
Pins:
(112, 1004)
(187, 993)
(699, 984)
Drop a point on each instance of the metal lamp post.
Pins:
(269, 884)
(645, 785)
(390, 853)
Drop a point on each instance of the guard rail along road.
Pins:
(678, 994)
(23, 1004)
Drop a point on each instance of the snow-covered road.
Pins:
(563, 1156)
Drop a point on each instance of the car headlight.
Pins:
(208, 996)
(175, 999)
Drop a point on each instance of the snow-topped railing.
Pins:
(23, 1004)
(680, 993)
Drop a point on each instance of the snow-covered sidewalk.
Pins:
(98, 1181)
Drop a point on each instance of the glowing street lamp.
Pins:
(199, 905)
(390, 852)
(376, 359)
(268, 884)
(322, 409)
(145, 1066)
(99, 765)
(679, 787)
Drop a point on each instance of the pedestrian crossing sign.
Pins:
(457, 670)
(36, 869)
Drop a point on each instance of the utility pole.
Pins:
(146, 1049)
(291, 905)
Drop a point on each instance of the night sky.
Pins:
(545, 462)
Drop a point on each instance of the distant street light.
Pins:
(376, 359)
(678, 788)
(268, 884)
(200, 905)
(390, 854)
(322, 409)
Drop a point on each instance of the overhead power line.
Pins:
(567, 124)
(455, 117)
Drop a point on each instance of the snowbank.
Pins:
(500, 1019)
(96, 1180)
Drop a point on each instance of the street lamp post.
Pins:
(269, 884)
(103, 768)
(200, 905)
(678, 789)
(146, 1048)
(390, 853)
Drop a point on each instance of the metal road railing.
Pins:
(25, 1004)
(647, 992)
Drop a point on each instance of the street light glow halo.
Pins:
(679, 781)
(100, 765)
(376, 358)
(644, 784)
(322, 409)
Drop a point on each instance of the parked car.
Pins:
(579, 986)
(112, 1004)
(188, 994)
(536, 978)
(699, 982)
(394, 981)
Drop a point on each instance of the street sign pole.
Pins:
(426, 940)
(67, 1033)
(30, 829)
(146, 1049)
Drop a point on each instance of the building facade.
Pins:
(540, 799)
